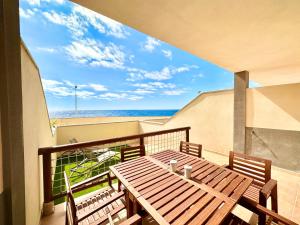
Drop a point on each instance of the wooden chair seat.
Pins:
(97, 207)
(252, 193)
(95, 200)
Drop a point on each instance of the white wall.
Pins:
(98, 131)
(37, 133)
(274, 107)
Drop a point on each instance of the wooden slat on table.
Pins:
(228, 182)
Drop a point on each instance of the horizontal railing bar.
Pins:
(65, 147)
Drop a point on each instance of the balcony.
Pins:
(83, 160)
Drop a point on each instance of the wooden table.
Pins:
(170, 198)
(228, 182)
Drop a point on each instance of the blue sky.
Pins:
(114, 66)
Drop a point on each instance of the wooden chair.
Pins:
(130, 153)
(191, 149)
(273, 218)
(262, 188)
(96, 207)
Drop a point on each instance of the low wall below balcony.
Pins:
(97, 131)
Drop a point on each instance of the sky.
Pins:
(113, 65)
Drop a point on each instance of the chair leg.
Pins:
(261, 216)
(274, 199)
(119, 185)
(66, 221)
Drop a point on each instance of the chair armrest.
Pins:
(132, 220)
(92, 180)
(275, 216)
(268, 187)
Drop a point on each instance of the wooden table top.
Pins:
(170, 198)
(226, 181)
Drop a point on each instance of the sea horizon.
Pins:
(112, 113)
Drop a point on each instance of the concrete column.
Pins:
(241, 83)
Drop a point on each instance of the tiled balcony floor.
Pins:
(288, 197)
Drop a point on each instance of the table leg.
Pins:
(129, 204)
(137, 209)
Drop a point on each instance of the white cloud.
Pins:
(85, 94)
(167, 53)
(151, 44)
(38, 2)
(81, 19)
(94, 53)
(135, 76)
(154, 85)
(46, 49)
(112, 96)
(173, 92)
(26, 13)
(98, 87)
(141, 91)
(60, 1)
(73, 22)
(135, 98)
(66, 88)
(34, 2)
(101, 23)
(164, 74)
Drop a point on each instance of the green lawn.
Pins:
(88, 169)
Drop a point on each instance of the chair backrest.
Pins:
(70, 203)
(257, 168)
(129, 153)
(191, 148)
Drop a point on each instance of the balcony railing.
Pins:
(86, 159)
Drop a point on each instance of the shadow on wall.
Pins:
(286, 97)
(281, 146)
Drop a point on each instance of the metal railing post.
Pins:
(142, 143)
(48, 206)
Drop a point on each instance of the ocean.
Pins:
(111, 113)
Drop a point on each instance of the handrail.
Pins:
(65, 147)
(46, 154)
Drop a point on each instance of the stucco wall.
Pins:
(274, 107)
(37, 133)
(210, 115)
(99, 131)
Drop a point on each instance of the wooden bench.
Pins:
(96, 207)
